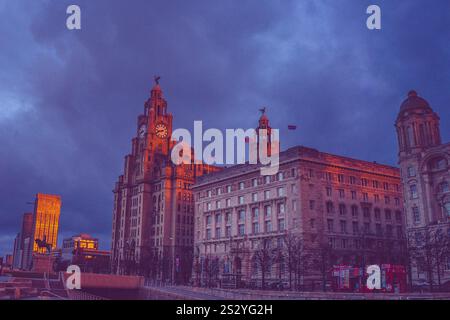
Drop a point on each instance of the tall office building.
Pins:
(21, 242)
(45, 225)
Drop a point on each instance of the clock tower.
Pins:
(153, 212)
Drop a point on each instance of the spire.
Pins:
(263, 120)
(156, 88)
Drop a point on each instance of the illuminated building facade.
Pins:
(425, 166)
(46, 214)
(351, 209)
(83, 250)
(153, 216)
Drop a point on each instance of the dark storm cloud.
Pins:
(69, 100)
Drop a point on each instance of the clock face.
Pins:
(142, 131)
(161, 130)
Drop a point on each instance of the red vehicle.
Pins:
(354, 279)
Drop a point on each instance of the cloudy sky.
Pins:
(69, 99)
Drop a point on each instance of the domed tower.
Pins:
(417, 126)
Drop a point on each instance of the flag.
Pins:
(292, 127)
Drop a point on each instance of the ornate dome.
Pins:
(414, 102)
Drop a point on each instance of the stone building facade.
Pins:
(425, 166)
(341, 210)
(153, 214)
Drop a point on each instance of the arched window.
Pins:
(447, 208)
(444, 187)
(439, 163)
(330, 208)
(410, 136)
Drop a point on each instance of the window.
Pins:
(255, 213)
(241, 186)
(280, 191)
(343, 225)
(388, 214)
(411, 172)
(416, 214)
(330, 225)
(219, 191)
(281, 225)
(312, 204)
(268, 226)
(255, 197)
(218, 218)
(208, 234)
(397, 201)
(376, 198)
(385, 186)
(241, 215)
(241, 229)
(330, 208)
(254, 182)
(353, 195)
(228, 189)
(209, 193)
(364, 182)
(352, 180)
(218, 204)
(228, 202)
(241, 199)
(328, 191)
(387, 200)
(366, 212)
(354, 211)
(413, 191)
(228, 217)
(294, 205)
(365, 196)
(281, 208)
(355, 227)
(341, 193)
(377, 213)
(280, 176)
(208, 206)
(266, 179)
(341, 178)
(443, 187)
(218, 235)
(228, 231)
(267, 212)
(447, 208)
(208, 220)
(375, 184)
(342, 209)
(328, 176)
(255, 228)
(366, 227)
(293, 188)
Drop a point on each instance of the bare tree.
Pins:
(290, 244)
(324, 255)
(264, 257)
(429, 249)
(298, 258)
